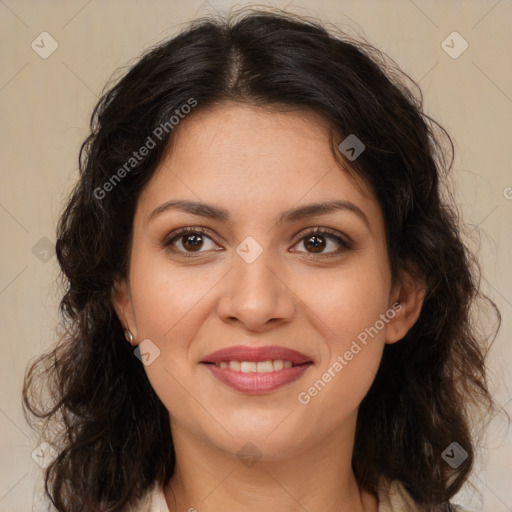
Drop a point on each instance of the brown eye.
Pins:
(322, 242)
(315, 243)
(188, 241)
(192, 242)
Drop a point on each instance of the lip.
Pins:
(256, 354)
(255, 383)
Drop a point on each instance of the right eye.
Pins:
(187, 241)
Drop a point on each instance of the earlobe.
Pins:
(121, 301)
(410, 297)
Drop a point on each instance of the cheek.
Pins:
(347, 303)
(170, 306)
(348, 309)
(354, 335)
(167, 299)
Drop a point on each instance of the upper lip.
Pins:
(256, 354)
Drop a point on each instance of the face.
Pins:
(300, 292)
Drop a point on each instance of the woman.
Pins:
(268, 302)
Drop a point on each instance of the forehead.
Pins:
(248, 157)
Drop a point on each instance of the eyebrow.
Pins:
(287, 216)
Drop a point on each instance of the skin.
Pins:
(256, 163)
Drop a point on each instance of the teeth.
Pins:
(247, 367)
(234, 365)
(278, 365)
(264, 367)
(259, 367)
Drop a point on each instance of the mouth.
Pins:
(257, 370)
(256, 366)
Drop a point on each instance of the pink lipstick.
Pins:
(256, 370)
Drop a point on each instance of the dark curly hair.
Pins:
(110, 430)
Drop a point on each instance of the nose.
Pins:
(256, 296)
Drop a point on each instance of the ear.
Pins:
(122, 302)
(407, 301)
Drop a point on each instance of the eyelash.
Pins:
(324, 232)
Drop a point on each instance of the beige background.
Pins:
(45, 106)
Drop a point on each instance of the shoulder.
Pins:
(152, 501)
(393, 497)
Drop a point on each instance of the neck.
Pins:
(208, 479)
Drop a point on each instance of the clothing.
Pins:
(392, 498)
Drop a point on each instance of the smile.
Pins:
(251, 366)
(256, 370)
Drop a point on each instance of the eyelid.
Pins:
(189, 229)
(345, 243)
(345, 240)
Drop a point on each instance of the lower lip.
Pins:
(255, 383)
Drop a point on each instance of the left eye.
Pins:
(321, 242)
